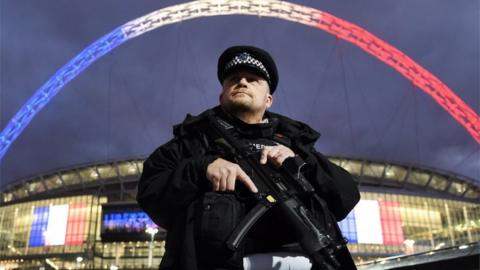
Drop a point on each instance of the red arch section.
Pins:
(419, 76)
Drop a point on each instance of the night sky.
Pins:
(125, 104)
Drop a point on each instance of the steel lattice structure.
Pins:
(342, 29)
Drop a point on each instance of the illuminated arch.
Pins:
(342, 29)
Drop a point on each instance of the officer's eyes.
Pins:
(232, 79)
(238, 78)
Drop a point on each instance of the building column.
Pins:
(467, 224)
(450, 229)
(430, 226)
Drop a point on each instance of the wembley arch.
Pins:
(329, 23)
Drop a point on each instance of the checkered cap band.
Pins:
(246, 59)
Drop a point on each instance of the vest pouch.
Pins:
(217, 216)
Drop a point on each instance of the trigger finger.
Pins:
(264, 155)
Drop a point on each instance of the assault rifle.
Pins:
(279, 188)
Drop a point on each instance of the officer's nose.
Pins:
(243, 80)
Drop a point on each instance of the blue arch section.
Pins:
(49, 89)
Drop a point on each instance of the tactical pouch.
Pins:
(217, 216)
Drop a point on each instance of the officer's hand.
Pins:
(223, 174)
(276, 154)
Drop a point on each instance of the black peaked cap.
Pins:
(255, 59)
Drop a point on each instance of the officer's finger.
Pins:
(215, 183)
(223, 181)
(231, 180)
(281, 151)
(264, 155)
(278, 160)
(280, 157)
(275, 151)
(245, 179)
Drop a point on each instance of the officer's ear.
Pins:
(222, 90)
(269, 100)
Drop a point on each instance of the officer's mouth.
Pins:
(240, 92)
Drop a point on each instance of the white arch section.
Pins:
(342, 29)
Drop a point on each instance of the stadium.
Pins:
(87, 217)
(395, 99)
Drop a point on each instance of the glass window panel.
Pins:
(107, 171)
(21, 191)
(23, 226)
(39, 226)
(57, 225)
(36, 186)
(77, 222)
(391, 223)
(127, 169)
(140, 166)
(439, 182)
(396, 173)
(53, 181)
(335, 161)
(373, 170)
(418, 178)
(353, 167)
(348, 228)
(457, 188)
(7, 196)
(103, 200)
(367, 220)
(472, 194)
(88, 174)
(70, 178)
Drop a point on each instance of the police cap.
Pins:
(252, 58)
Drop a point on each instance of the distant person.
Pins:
(194, 188)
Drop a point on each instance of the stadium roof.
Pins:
(119, 178)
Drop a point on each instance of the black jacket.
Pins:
(174, 192)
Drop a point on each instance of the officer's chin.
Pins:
(238, 105)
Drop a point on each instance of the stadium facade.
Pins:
(86, 217)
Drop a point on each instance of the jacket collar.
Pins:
(295, 130)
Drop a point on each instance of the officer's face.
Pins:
(246, 91)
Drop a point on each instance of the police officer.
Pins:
(190, 185)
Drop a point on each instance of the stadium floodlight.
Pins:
(338, 27)
(151, 231)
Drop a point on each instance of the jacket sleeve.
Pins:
(170, 181)
(334, 184)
